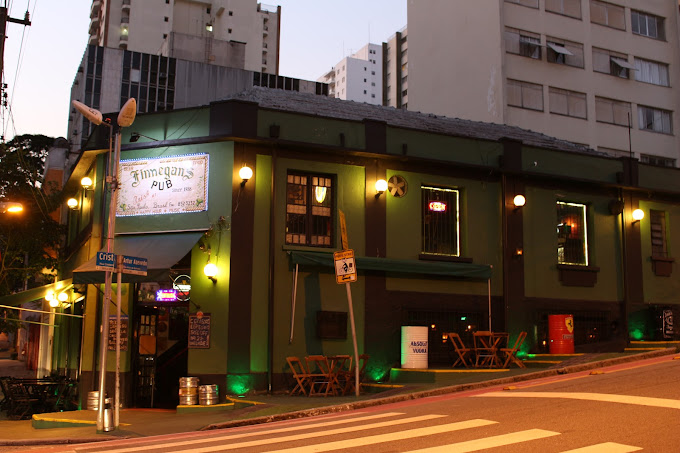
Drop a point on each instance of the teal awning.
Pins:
(161, 250)
(367, 263)
(35, 293)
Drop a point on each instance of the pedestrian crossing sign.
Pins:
(345, 268)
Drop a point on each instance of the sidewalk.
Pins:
(80, 426)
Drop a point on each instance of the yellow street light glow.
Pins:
(86, 182)
(72, 203)
(519, 200)
(638, 215)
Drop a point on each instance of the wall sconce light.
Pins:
(210, 269)
(86, 183)
(519, 201)
(380, 187)
(72, 204)
(245, 173)
(638, 215)
(519, 252)
(51, 298)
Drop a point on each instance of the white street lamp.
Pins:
(126, 117)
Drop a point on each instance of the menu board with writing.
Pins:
(199, 331)
(124, 322)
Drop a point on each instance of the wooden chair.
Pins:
(348, 377)
(300, 374)
(462, 351)
(320, 377)
(511, 352)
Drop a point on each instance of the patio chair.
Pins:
(321, 381)
(300, 374)
(348, 377)
(511, 352)
(462, 351)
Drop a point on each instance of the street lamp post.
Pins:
(126, 117)
(10, 207)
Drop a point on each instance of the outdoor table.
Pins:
(487, 347)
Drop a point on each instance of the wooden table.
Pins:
(487, 347)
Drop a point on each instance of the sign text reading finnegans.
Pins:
(164, 185)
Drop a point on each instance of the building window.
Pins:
(525, 95)
(309, 210)
(565, 52)
(612, 112)
(165, 19)
(607, 14)
(441, 232)
(612, 63)
(523, 43)
(572, 234)
(529, 3)
(651, 72)
(659, 161)
(570, 8)
(569, 103)
(656, 120)
(647, 25)
(657, 223)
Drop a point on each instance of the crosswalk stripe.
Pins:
(193, 442)
(607, 447)
(490, 442)
(389, 437)
(605, 397)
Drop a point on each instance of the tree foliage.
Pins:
(28, 241)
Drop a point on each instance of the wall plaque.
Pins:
(199, 330)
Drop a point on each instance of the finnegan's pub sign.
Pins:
(163, 185)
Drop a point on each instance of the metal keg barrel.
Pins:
(208, 395)
(188, 391)
(93, 400)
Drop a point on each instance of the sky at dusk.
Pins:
(41, 60)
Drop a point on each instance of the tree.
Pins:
(29, 241)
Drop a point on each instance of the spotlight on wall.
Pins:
(72, 204)
(245, 173)
(519, 201)
(638, 215)
(380, 187)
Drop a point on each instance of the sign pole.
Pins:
(116, 401)
(354, 340)
(345, 271)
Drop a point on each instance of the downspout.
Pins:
(272, 237)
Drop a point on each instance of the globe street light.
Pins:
(126, 117)
(10, 207)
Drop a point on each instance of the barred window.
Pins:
(441, 232)
(572, 234)
(657, 222)
(309, 210)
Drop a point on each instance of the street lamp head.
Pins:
(11, 207)
(127, 114)
(94, 115)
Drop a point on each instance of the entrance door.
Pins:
(161, 354)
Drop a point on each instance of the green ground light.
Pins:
(239, 384)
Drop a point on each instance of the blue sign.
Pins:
(105, 261)
(134, 265)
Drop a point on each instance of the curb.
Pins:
(440, 391)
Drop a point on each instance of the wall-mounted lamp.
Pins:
(210, 269)
(519, 252)
(134, 136)
(380, 187)
(638, 215)
(245, 173)
(519, 201)
(72, 204)
(86, 183)
(57, 300)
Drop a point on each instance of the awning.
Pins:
(366, 263)
(35, 293)
(559, 49)
(622, 63)
(161, 250)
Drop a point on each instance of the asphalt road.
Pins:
(629, 407)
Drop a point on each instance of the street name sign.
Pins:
(134, 265)
(105, 261)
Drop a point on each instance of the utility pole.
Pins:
(3, 35)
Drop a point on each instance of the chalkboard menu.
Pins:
(199, 330)
(124, 321)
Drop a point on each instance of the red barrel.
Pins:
(561, 334)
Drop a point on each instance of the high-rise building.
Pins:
(602, 74)
(358, 77)
(190, 30)
(395, 64)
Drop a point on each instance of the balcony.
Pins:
(94, 25)
(94, 9)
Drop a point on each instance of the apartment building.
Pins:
(601, 74)
(358, 77)
(190, 29)
(395, 64)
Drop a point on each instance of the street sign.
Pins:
(134, 265)
(105, 261)
(345, 269)
(343, 230)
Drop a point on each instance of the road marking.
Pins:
(607, 447)
(490, 442)
(603, 397)
(172, 446)
(389, 437)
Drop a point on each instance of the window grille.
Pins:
(572, 234)
(309, 214)
(441, 233)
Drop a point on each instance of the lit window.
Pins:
(572, 234)
(657, 223)
(647, 25)
(653, 119)
(441, 232)
(309, 210)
